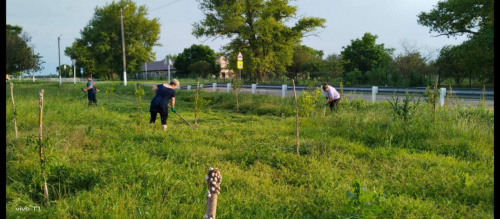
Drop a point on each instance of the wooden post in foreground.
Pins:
(213, 180)
(13, 107)
(296, 115)
(40, 146)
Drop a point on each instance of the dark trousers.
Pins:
(163, 117)
(333, 104)
(92, 99)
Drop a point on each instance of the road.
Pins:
(351, 96)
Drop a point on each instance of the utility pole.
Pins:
(74, 70)
(123, 48)
(33, 67)
(168, 64)
(59, 51)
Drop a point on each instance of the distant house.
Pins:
(225, 72)
(155, 70)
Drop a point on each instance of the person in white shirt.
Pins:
(332, 96)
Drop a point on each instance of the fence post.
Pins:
(441, 96)
(214, 87)
(213, 179)
(254, 86)
(374, 93)
(228, 87)
(283, 90)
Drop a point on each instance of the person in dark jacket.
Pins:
(91, 90)
(165, 93)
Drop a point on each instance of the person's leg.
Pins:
(89, 97)
(335, 104)
(164, 117)
(153, 117)
(331, 105)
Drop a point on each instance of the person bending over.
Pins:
(332, 96)
(165, 93)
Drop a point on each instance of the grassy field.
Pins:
(362, 161)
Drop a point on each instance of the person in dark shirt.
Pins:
(165, 93)
(91, 90)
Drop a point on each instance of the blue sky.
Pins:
(393, 21)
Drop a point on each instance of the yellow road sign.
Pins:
(240, 64)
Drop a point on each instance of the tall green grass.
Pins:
(108, 162)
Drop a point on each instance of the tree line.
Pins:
(257, 29)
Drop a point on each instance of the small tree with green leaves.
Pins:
(110, 91)
(307, 101)
(450, 97)
(237, 87)
(199, 103)
(139, 93)
(431, 96)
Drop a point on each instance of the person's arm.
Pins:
(172, 100)
(88, 88)
(155, 88)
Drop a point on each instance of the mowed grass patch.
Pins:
(110, 162)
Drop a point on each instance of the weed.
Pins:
(406, 109)
(362, 203)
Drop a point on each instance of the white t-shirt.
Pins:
(331, 92)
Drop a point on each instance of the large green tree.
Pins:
(99, 49)
(66, 70)
(334, 66)
(19, 55)
(191, 59)
(458, 17)
(474, 18)
(305, 59)
(364, 55)
(411, 64)
(257, 29)
(451, 63)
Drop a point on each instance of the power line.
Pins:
(165, 5)
(48, 47)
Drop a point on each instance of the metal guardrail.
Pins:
(462, 93)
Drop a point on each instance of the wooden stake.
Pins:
(213, 179)
(196, 107)
(13, 106)
(434, 97)
(40, 146)
(296, 115)
(236, 92)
